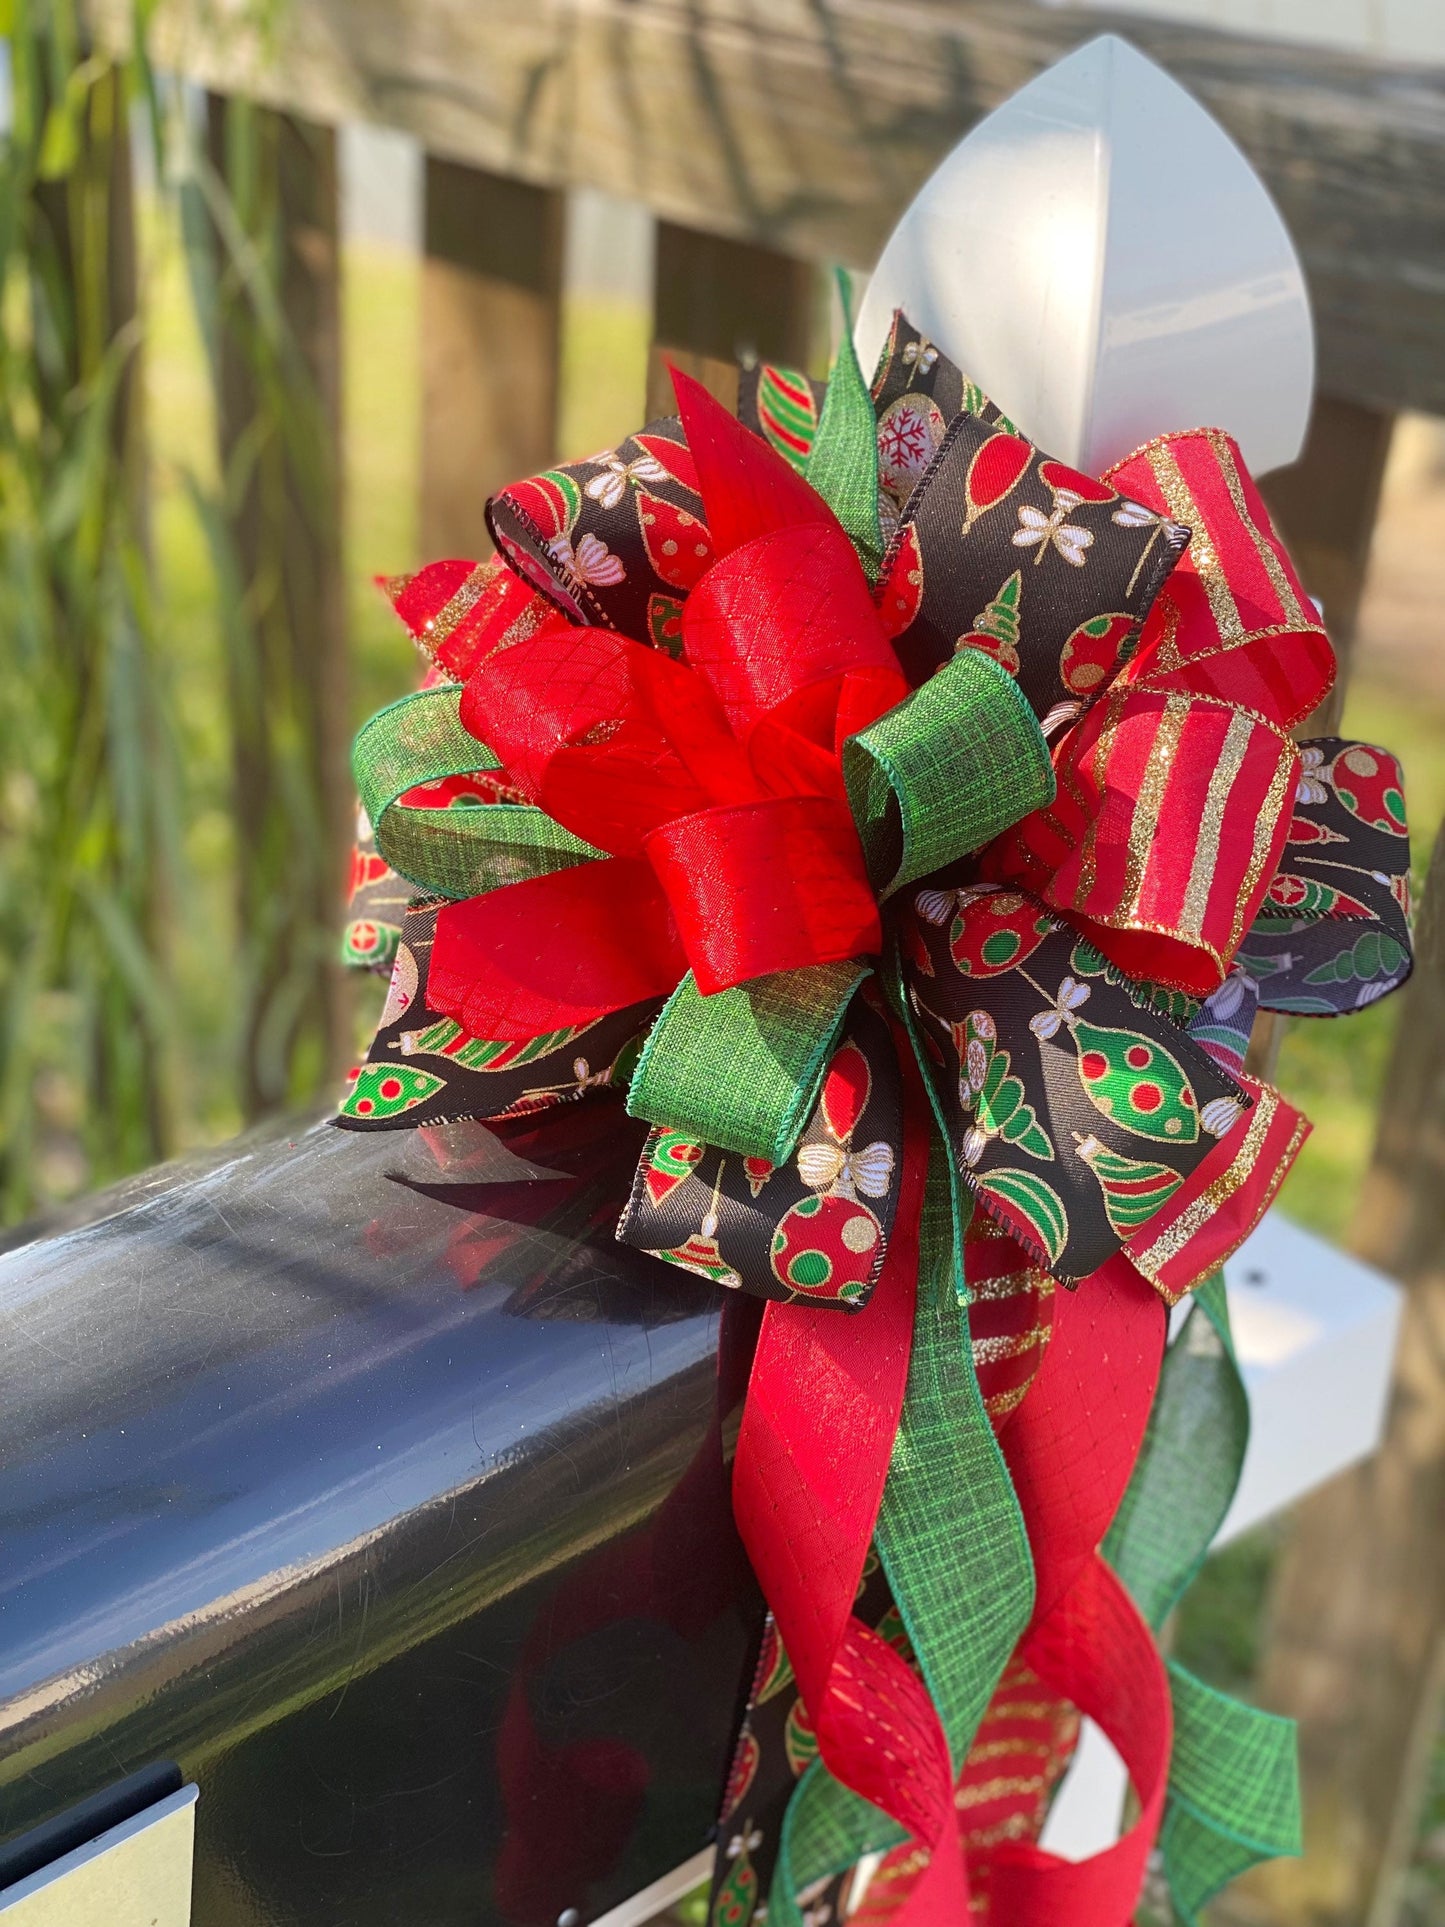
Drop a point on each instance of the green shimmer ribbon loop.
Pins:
(1233, 1792)
(742, 1069)
(1189, 1464)
(959, 762)
(1233, 1781)
(467, 849)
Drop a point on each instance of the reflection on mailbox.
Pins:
(379, 1487)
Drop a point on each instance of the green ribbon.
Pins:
(1233, 1792)
(465, 850)
(946, 771)
(952, 1541)
(742, 1068)
(842, 463)
(1233, 1779)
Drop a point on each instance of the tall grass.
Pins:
(87, 774)
(97, 1060)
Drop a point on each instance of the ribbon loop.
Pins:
(742, 1069)
(1169, 907)
(946, 771)
(766, 887)
(458, 850)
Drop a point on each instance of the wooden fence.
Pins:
(769, 137)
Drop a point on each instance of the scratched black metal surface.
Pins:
(374, 1483)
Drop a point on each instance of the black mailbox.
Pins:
(372, 1482)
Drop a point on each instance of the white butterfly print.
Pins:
(1049, 1022)
(590, 561)
(610, 486)
(1311, 787)
(1134, 515)
(1042, 532)
(826, 1167)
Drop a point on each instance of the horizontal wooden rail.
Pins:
(806, 125)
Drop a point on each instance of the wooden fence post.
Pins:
(279, 426)
(1359, 1599)
(491, 342)
(1325, 506)
(718, 302)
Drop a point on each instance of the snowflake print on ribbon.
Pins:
(909, 431)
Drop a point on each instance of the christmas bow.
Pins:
(695, 811)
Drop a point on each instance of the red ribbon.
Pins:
(817, 1433)
(1193, 732)
(714, 785)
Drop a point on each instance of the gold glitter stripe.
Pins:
(1172, 1294)
(992, 1351)
(1167, 659)
(1237, 739)
(1103, 749)
(1018, 1826)
(1006, 1786)
(1002, 1403)
(1280, 784)
(1144, 826)
(1010, 1283)
(463, 599)
(1268, 554)
(1001, 1750)
(1190, 1222)
(1202, 552)
(1147, 448)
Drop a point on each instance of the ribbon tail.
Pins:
(817, 1436)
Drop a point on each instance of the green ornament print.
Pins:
(1133, 1189)
(386, 1090)
(1000, 619)
(995, 1098)
(1373, 955)
(736, 1899)
(447, 1039)
(1128, 1077)
(1031, 1208)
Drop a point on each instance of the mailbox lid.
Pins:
(371, 1479)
